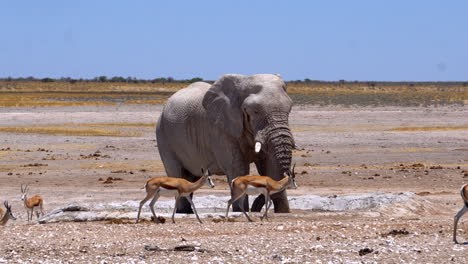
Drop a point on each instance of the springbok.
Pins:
(464, 195)
(169, 186)
(8, 214)
(256, 184)
(31, 203)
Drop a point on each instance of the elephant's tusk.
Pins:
(258, 146)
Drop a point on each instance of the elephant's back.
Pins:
(185, 103)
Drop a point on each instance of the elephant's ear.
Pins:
(223, 104)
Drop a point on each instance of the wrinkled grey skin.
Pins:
(216, 127)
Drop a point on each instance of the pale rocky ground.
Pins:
(344, 151)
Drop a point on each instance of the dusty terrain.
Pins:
(343, 150)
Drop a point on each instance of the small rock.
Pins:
(184, 248)
(152, 248)
(277, 257)
(365, 251)
(395, 232)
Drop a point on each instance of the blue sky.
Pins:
(322, 40)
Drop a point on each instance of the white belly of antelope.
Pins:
(167, 192)
(252, 190)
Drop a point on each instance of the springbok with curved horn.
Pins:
(256, 184)
(178, 187)
(8, 214)
(464, 195)
(31, 203)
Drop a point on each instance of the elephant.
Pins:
(226, 126)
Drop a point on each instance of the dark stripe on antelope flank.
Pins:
(167, 186)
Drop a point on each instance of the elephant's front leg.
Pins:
(184, 206)
(280, 202)
(236, 206)
(239, 170)
(234, 163)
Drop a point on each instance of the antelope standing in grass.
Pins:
(255, 184)
(31, 203)
(178, 187)
(464, 195)
(8, 214)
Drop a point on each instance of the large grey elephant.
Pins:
(226, 126)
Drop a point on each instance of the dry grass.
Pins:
(149, 101)
(416, 149)
(436, 128)
(68, 131)
(360, 94)
(42, 100)
(148, 125)
(37, 86)
(45, 99)
(34, 93)
(72, 146)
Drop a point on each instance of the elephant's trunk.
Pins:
(280, 145)
(277, 144)
(278, 141)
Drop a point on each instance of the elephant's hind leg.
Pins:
(184, 206)
(175, 169)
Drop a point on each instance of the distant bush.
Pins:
(47, 80)
(197, 79)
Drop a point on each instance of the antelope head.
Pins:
(24, 190)
(207, 174)
(8, 211)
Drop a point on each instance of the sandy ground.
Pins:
(342, 151)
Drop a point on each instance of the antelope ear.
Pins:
(223, 104)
